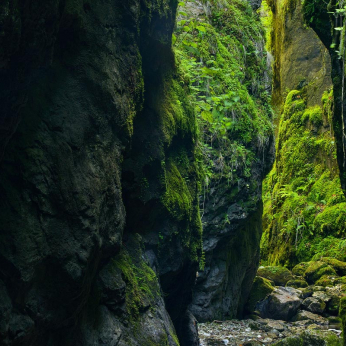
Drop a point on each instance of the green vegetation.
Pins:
(222, 62)
(142, 286)
(342, 315)
(304, 206)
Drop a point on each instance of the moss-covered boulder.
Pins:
(333, 305)
(297, 283)
(316, 270)
(311, 337)
(326, 281)
(260, 289)
(300, 268)
(339, 266)
(340, 281)
(280, 275)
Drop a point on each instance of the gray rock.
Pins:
(282, 304)
(326, 297)
(277, 325)
(314, 305)
(310, 317)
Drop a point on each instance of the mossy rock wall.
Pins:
(220, 51)
(300, 57)
(303, 201)
(97, 145)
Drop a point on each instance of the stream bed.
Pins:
(258, 332)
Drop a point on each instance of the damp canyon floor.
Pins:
(249, 332)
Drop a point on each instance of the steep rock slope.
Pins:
(220, 47)
(95, 135)
(300, 58)
(304, 205)
(327, 18)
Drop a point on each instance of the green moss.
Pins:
(260, 289)
(339, 266)
(325, 281)
(177, 198)
(176, 112)
(142, 286)
(303, 199)
(327, 246)
(267, 21)
(300, 268)
(297, 283)
(311, 337)
(316, 270)
(332, 220)
(279, 275)
(314, 115)
(342, 315)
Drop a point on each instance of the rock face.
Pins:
(96, 134)
(302, 93)
(300, 56)
(231, 204)
(324, 19)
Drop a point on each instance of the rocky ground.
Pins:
(287, 308)
(260, 332)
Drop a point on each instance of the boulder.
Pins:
(261, 287)
(300, 268)
(339, 266)
(277, 325)
(282, 304)
(341, 280)
(326, 297)
(326, 281)
(316, 270)
(304, 315)
(279, 275)
(314, 305)
(297, 283)
(306, 292)
(310, 338)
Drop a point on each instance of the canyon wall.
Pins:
(100, 231)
